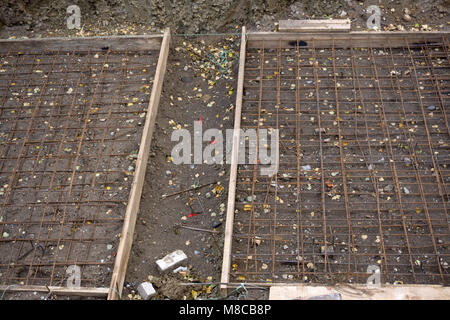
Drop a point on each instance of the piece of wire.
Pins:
(6, 289)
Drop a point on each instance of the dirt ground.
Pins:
(36, 18)
(193, 90)
(190, 94)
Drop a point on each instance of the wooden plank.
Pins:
(342, 40)
(319, 25)
(65, 291)
(66, 44)
(361, 292)
(226, 263)
(123, 252)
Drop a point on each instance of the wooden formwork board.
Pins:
(64, 291)
(319, 25)
(316, 41)
(354, 39)
(97, 44)
(360, 292)
(226, 263)
(126, 241)
(138, 42)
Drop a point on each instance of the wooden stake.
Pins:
(226, 264)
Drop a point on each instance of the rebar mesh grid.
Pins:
(70, 126)
(363, 171)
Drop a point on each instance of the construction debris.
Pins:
(171, 260)
(146, 290)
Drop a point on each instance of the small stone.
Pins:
(321, 130)
(407, 17)
(431, 108)
(388, 188)
(180, 269)
(328, 249)
(146, 290)
(216, 224)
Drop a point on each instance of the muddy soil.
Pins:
(35, 18)
(193, 92)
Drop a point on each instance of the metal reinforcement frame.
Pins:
(76, 123)
(363, 175)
